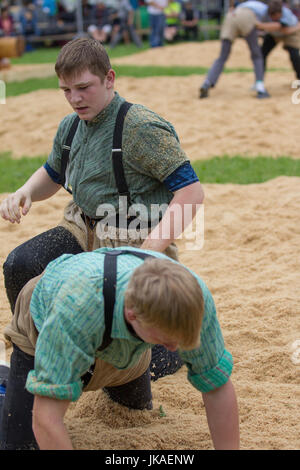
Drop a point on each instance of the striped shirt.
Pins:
(67, 309)
(261, 11)
(151, 153)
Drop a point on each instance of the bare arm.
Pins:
(222, 417)
(269, 27)
(39, 187)
(173, 222)
(48, 425)
(286, 30)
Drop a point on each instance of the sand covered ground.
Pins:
(197, 54)
(18, 73)
(232, 121)
(202, 54)
(250, 260)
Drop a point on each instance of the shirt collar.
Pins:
(120, 328)
(107, 112)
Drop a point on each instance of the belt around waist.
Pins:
(118, 221)
(85, 379)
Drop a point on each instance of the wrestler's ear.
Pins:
(110, 78)
(130, 315)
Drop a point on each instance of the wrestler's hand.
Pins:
(15, 205)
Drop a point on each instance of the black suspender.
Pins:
(109, 294)
(66, 153)
(117, 160)
(117, 156)
(109, 289)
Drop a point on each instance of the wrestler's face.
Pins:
(151, 334)
(275, 17)
(87, 93)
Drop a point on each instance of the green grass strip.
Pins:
(14, 173)
(48, 55)
(236, 170)
(34, 84)
(242, 170)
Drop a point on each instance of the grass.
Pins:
(222, 169)
(34, 84)
(242, 170)
(48, 55)
(13, 173)
(236, 170)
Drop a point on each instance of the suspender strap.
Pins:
(66, 153)
(117, 153)
(109, 289)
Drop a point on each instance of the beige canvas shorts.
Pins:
(22, 330)
(23, 333)
(239, 22)
(288, 40)
(72, 221)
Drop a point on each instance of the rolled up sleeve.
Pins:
(69, 392)
(215, 377)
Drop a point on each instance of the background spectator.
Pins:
(172, 14)
(126, 29)
(28, 19)
(106, 22)
(189, 19)
(157, 21)
(7, 27)
(295, 7)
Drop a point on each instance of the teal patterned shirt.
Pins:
(151, 152)
(67, 309)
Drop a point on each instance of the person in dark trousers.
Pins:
(114, 157)
(287, 32)
(89, 323)
(240, 21)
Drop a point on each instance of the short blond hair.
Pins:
(166, 295)
(80, 55)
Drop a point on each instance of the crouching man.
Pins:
(89, 322)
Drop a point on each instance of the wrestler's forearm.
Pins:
(268, 27)
(48, 426)
(40, 186)
(222, 416)
(52, 437)
(290, 29)
(178, 216)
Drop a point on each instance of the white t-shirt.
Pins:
(156, 11)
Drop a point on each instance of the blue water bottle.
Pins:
(4, 370)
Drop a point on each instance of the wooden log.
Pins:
(11, 46)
